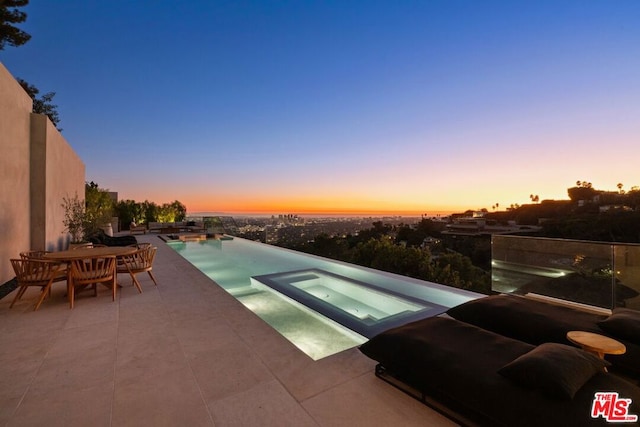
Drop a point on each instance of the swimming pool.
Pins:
(320, 305)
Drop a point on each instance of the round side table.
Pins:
(596, 343)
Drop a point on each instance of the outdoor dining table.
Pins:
(71, 254)
(89, 252)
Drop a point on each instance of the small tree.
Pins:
(583, 192)
(129, 211)
(145, 212)
(171, 212)
(98, 207)
(44, 104)
(9, 15)
(74, 217)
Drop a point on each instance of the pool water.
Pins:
(361, 307)
(314, 335)
(320, 305)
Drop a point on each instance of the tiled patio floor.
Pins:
(184, 353)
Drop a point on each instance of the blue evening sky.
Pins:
(341, 106)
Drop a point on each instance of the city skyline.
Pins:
(352, 108)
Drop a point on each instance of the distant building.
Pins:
(430, 242)
(478, 226)
(616, 208)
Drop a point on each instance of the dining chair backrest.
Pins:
(60, 273)
(34, 272)
(151, 255)
(33, 254)
(138, 262)
(146, 256)
(141, 259)
(92, 269)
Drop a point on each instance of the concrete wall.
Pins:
(56, 172)
(15, 118)
(37, 169)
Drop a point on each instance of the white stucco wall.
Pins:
(15, 118)
(65, 176)
(37, 169)
(56, 172)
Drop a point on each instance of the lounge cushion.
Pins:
(456, 365)
(623, 323)
(535, 322)
(101, 238)
(433, 341)
(557, 370)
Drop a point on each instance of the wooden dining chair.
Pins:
(92, 271)
(33, 254)
(61, 274)
(139, 262)
(34, 272)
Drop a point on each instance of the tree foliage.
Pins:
(582, 192)
(10, 15)
(383, 254)
(403, 254)
(617, 226)
(74, 217)
(13, 36)
(129, 211)
(98, 207)
(171, 212)
(415, 236)
(44, 104)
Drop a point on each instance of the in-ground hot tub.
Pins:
(362, 307)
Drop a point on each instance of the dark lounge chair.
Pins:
(101, 238)
(478, 377)
(537, 322)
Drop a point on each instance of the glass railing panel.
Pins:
(216, 224)
(571, 270)
(627, 273)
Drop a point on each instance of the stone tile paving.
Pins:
(182, 353)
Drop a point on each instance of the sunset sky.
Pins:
(341, 106)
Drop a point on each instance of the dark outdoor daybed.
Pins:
(537, 322)
(478, 377)
(102, 238)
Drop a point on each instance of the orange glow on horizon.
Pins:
(403, 202)
(305, 207)
(332, 212)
